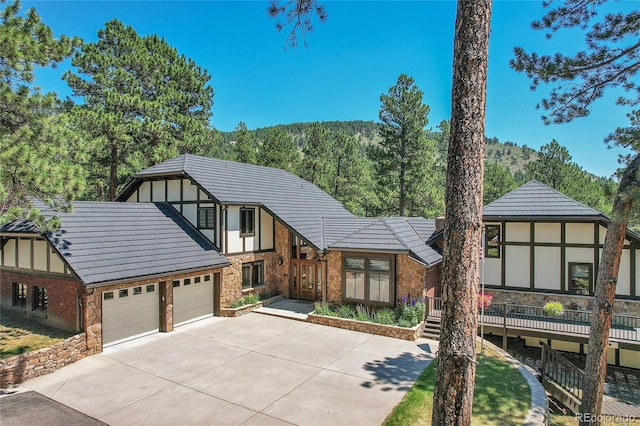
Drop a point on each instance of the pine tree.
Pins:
(143, 103)
(318, 165)
(497, 182)
(278, 150)
(453, 393)
(352, 184)
(403, 158)
(41, 153)
(246, 148)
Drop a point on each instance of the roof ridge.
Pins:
(567, 197)
(512, 191)
(375, 220)
(394, 232)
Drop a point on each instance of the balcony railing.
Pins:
(562, 378)
(623, 327)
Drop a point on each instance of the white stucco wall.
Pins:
(547, 268)
(517, 266)
(517, 232)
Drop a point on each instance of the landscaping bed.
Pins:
(403, 322)
(248, 303)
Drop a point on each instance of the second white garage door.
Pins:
(192, 298)
(130, 312)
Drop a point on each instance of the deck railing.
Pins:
(559, 372)
(623, 327)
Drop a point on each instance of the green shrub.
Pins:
(346, 311)
(553, 309)
(325, 309)
(385, 316)
(363, 314)
(249, 299)
(408, 312)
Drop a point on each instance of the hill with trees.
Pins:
(507, 165)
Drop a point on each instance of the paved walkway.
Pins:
(251, 370)
(288, 308)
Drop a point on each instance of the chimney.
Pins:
(439, 224)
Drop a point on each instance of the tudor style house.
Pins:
(187, 237)
(541, 245)
(193, 234)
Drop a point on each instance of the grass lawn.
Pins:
(20, 335)
(501, 395)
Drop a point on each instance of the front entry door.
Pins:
(306, 280)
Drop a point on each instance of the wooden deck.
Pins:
(573, 326)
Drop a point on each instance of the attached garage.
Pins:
(192, 298)
(130, 312)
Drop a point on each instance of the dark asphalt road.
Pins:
(33, 409)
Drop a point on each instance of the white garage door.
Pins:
(192, 298)
(130, 312)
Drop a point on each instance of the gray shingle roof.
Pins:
(397, 234)
(296, 202)
(536, 200)
(21, 226)
(105, 242)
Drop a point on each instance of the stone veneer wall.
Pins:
(334, 276)
(232, 281)
(20, 368)
(283, 251)
(368, 327)
(411, 277)
(524, 297)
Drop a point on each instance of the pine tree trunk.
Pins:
(453, 395)
(605, 293)
(113, 173)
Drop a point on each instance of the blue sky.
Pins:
(351, 59)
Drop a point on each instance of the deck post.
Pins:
(504, 326)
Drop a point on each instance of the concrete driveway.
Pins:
(252, 370)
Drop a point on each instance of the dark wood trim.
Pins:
(503, 255)
(259, 231)
(217, 291)
(563, 257)
(366, 256)
(532, 255)
(632, 272)
(591, 281)
(241, 253)
(596, 251)
(226, 231)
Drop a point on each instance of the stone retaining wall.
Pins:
(368, 327)
(20, 368)
(236, 312)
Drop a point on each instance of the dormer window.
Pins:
(247, 222)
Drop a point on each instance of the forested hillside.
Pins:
(508, 165)
(507, 154)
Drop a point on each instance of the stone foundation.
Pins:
(20, 368)
(572, 302)
(368, 327)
